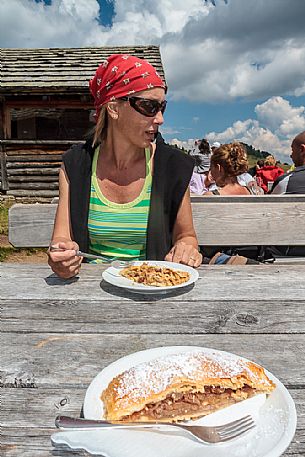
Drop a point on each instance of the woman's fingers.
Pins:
(63, 259)
(186, 254)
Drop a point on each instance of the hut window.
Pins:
(50, 123)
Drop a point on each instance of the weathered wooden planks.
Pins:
(77, 64)
(254, 283)
(46, 359)
(258, 222)
(241, 222)
(32, 225)
(182, 317)
(57, 335)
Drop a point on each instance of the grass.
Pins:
(4, 218)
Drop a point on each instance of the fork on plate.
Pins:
(201, 433)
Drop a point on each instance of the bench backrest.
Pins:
(231, 221)
(248, 220)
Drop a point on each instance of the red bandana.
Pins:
(121, 75)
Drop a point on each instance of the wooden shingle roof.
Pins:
(61, 69)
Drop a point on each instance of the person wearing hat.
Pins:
(215, 145)
(118, 194)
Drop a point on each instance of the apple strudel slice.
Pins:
(183, 386)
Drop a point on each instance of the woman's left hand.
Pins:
(184, 253)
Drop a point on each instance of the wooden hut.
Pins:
(45, 106)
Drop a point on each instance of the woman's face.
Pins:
(138, 129)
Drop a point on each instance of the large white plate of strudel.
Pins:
(151, 276)
(184, 383)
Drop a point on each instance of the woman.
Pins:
(227, 163)
(122, 195)
(267, 174)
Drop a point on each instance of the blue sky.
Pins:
(235, 68)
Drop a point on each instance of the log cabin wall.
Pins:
(32, 167)
(45, 108)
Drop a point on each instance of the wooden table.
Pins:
(56, 335)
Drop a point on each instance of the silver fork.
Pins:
(112, 260)
(202, 433)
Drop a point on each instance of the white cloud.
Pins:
(209, 53)
(187, 144)
(169, 130)
(64, 23)
(233, 51)
(278, 115)
(277, 124)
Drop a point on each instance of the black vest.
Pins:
(172, 173)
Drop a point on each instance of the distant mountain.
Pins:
(257, 153)
(253, 154)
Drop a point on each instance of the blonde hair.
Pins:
(270, 160)
(232, 158)
(100, 130)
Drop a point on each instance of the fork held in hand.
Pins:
(202, 433)
(113, 260)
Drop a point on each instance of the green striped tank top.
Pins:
(115, 229)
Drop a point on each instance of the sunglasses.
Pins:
(146, 106)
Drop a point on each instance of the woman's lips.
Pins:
(151, 135)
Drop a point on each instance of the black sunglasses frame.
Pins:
(155, 106)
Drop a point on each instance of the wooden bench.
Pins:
(219, 221)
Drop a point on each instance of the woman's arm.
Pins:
(185, 248)
(63, 262)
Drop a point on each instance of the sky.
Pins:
(235, 68)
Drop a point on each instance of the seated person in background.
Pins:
(227, 163)
(268, 173)
(120, 194)
(215, 145)
(293, 181)
(253, 170)
(201, 182)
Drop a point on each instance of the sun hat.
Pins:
(216, 144)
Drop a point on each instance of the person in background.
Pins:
(118, 194)
(293, 181)
(202, 182)
(267, 174)
(215, 145)
(227, 163)
(253, 170)
(201, 153)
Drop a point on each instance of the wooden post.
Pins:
(3, 171)
(7, 121)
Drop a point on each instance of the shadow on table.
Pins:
(136, 296)
(54, 280)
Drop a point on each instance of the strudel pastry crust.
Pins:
(182, 386)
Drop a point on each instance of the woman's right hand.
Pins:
(64, 262)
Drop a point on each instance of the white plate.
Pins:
(112, 275)
(275, 419)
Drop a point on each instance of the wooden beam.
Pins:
(3, 171)
(7, 121)
(49, 104)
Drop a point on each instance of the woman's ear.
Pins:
(113, 110)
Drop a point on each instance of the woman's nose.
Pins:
(159, 119)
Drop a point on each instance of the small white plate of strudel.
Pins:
(151, 276)
(184, 383)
